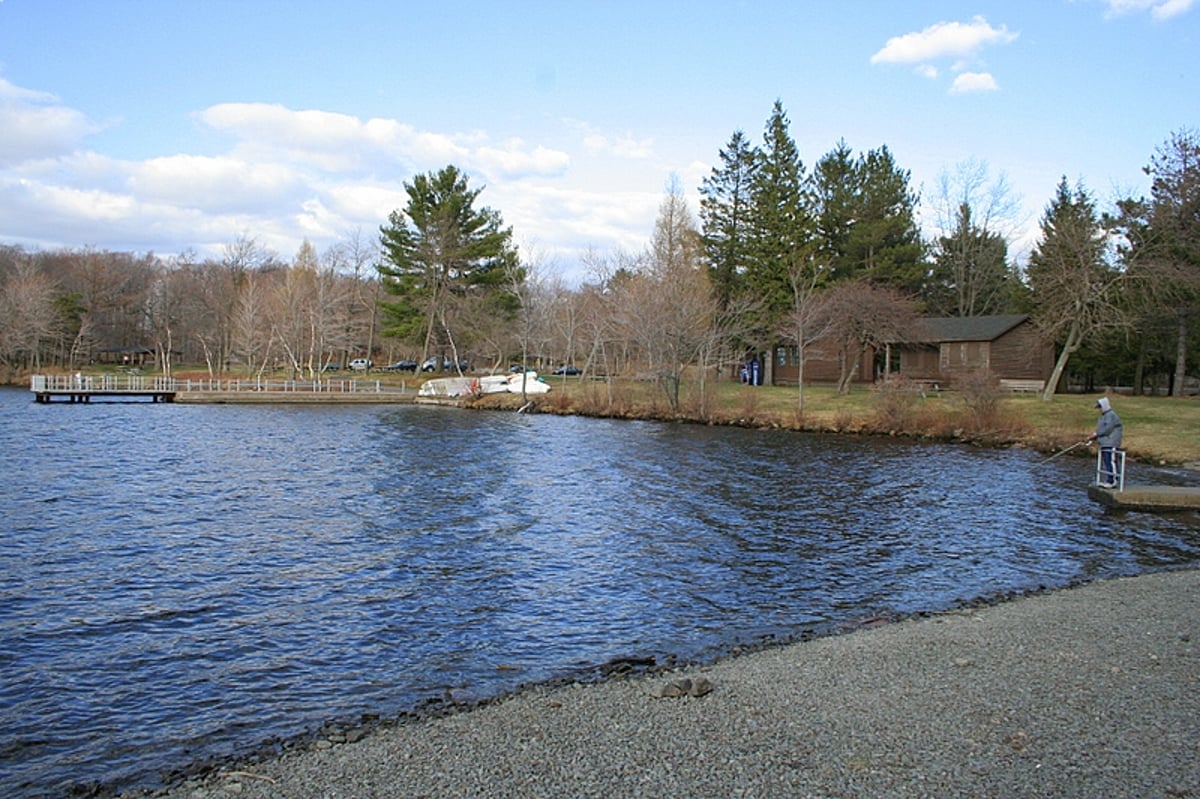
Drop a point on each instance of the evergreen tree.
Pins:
(1160, 250)
(836, 194)
(976, 215)
(782, 228)
(866, 219)
(1175, 225)
(725, 211)
(1075, 288)
(970, 274)
(443, 257)
(886, 242)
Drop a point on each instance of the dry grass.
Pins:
(1157, 429)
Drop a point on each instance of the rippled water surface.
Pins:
(183, 582)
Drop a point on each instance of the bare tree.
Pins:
(26, 315)
(356, 256)
(975, 216)
(603, 319)
(250, 331)
(242, 258)
(674, 297)
(807, 321)
(527, 282)
(864, 316)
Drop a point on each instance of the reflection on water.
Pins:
(180, 582)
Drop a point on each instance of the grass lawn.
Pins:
(1160, 429)
(1157, 429)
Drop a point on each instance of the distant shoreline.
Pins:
(1159, 432)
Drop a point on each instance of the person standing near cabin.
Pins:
(1108, 436)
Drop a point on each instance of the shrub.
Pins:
(979, 395)
(895, 400)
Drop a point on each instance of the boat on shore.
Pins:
(457, 387)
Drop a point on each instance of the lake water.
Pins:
(182, 582)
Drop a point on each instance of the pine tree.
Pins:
(836, 190)
(441, 255)
(970, 275)
(1075, 289)
(725, 211)
(886, 243)
(782, 226)
(866, 219)
(1175, 222)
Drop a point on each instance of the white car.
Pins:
(361, 364)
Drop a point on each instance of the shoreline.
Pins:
(1041, 437)
(1092, 690)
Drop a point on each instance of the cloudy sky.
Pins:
(165, 125)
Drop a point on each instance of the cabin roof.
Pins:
(127, 351)
(940, 329)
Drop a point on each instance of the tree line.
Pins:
(783, 254)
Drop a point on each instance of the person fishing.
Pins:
(1108, 436)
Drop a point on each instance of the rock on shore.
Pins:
(1087, 692)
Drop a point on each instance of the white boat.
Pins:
(453, 387)
(448, 387)
(527, 381)
(493, 384)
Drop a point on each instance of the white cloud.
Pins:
(942, 40)
(365, 201)
(324, 140)
(1160, 10)
(286, 174)
(513, 161)
(973, 82)
(960, 42)
(42, 214)
(212, 182)
(625, 146)
(339, 143)
(38, 125)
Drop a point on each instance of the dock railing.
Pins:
(144, 384)
(1104, 476)
(340, 385)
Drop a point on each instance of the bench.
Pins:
(1022, 386)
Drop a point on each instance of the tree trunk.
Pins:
(800, 381)
(1060, 366)
(1139, 369)
(1180, 358)
(850, 369)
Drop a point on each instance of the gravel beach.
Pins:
(1088, 692)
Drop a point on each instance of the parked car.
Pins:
(431, 364)
(567, 369)
(331, 367)
(361, 364)
(401, 366)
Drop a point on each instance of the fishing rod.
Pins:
(1063, 451)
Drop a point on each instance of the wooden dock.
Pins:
(85, 388)
(1148, 498)
(81, 388)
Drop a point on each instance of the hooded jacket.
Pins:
(1108, 427)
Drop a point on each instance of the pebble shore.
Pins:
(1088, 692)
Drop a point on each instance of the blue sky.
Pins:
(153, 125)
